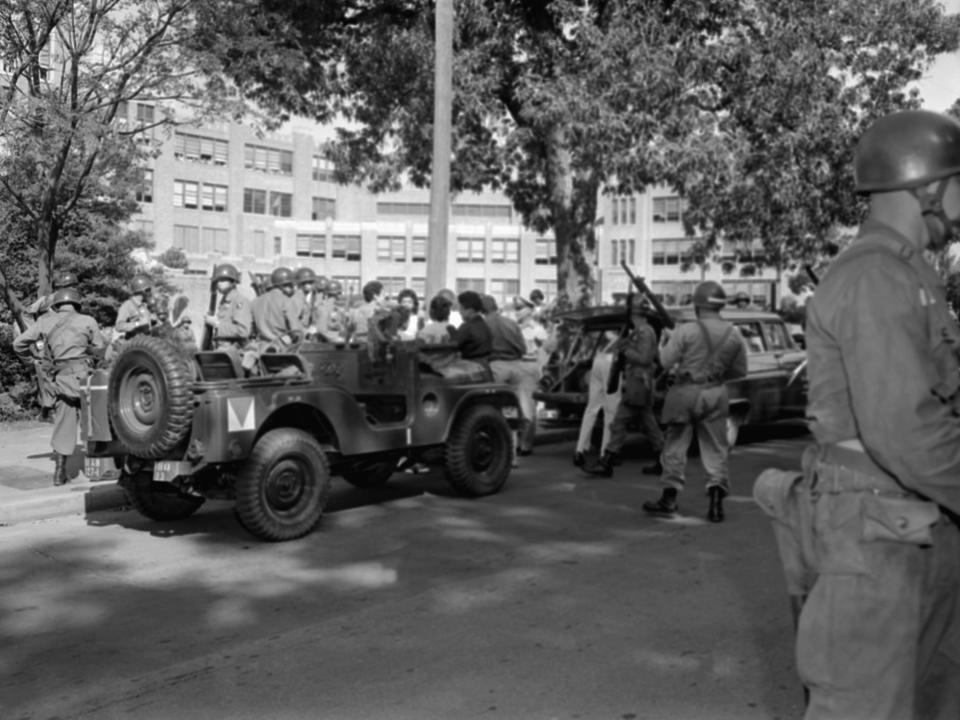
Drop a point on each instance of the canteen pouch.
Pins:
(903, 520)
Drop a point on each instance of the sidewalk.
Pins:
(27, 493)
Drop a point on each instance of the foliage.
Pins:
(749, 110)
(173, 258)
(77, 113)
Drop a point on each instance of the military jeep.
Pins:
(184, 428)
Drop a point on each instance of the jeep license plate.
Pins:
(94, 467)
(168, 470)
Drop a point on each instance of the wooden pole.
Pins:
(438, 239)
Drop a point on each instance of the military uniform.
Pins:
(275, 315)
(314, 312)
(639, 351)
(234, 320)
(884, 402)
(706, 353)
(69, 339)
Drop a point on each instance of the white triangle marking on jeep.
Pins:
(240, 414)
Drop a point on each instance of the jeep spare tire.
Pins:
(479, 451)
(150, 397)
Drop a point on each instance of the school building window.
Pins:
(418, 249)
(255, 201)
(185, 194)
(392, 286)
(268, 160)
(499, 212)
(259, 243)
(548, 288)
(391, 248)
(505, 250)
(277, 245)
(145, 227)
(546, 252)
(464, 284)
(323, 208)
(666, 209)
(312, 246)
(187, 237)
(503, 290)
(322, 169)
(419, 286)
(197, 148)
(349, 283)
(346, 247)
(470, 250)
(214, 240)
(402, 208)
(281, 204)
(214, 198)
(145, 191)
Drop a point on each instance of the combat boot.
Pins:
(715, 513)
(603, 466)
(60, 470)
(579, 459)
(666, 504)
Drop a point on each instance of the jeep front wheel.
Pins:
(283, 487)
(478, 451)
(159, 501)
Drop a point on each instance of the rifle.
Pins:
(206, 343)
(668, 322)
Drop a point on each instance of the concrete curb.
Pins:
(75, 498)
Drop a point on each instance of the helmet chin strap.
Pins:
(941, 228)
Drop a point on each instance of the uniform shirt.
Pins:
(506, 339)
(235, 316)
(882, 365)
(311, 305)
(640, 348)
(276, 314)
(687, 349)
(473, 339)
(67, 334)
(130, 316)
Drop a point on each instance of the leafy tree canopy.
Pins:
(750, 109)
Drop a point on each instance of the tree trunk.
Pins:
(573, 207)
(13, 302)
(47, 232)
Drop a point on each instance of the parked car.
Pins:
(774, 388)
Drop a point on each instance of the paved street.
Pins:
(558, 598)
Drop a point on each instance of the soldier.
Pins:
(313, 309)
(637, 358)
(134, 316)
(276, 315)
(232, 322)
(70, 341)
(706, 353)
(879, 634)
(46, 393)
(742, 301)
(336, 309)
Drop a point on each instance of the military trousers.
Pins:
(879, 634)
(711, 434)
(67, 384)
(648, 426)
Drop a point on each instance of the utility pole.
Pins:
(440, 179)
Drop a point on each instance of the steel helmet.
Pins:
(140, 284)
(334, 287)
(741, 297)
(64, 296)
(305, 275)
(264, 282)
(905, 150)
(63, 280)
(281, 276)
(710, 295)
(226, 272)
(322, 284)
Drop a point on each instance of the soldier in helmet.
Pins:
(637, 352)
(232, 322)
(46, 393)
(336, 310)
(70, 341)
(742, 301)
(705, 354)
(276, 315)
(879, 634)
(135, 315)
(311, 299)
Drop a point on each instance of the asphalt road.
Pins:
(557, 598)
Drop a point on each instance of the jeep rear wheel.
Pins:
(478, 451)
(150, 400)
(283, 487)
(370, 473)
(162, 502)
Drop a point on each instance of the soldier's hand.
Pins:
(212, 320)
